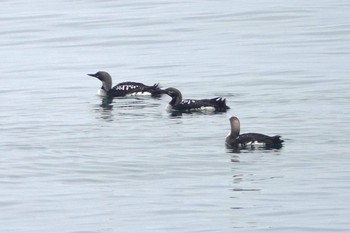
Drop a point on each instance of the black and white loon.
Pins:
(217, 104)
(236, 140)
(124, 88)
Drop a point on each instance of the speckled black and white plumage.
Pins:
(124, 88)
(217, 104)
(251, 140)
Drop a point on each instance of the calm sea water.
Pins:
(70, 164)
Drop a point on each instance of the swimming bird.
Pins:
(124, 88)
(236, 140)
(217, 104)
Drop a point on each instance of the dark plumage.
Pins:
(236, 140)
(217, 104)
(124, 88)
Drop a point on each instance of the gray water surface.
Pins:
(71, 164)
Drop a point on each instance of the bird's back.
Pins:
(215, 104)
(132, 88)
(257, 139)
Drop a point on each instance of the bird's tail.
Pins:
(155, 90)
(277, 141)
(220, 103)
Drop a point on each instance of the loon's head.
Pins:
(235, 126)
(171, 91)
(234, 132)
(175, 94)
(105, 78)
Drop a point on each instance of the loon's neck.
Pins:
(235, 130)
(231, 138)
(176, 99)
(107, 84)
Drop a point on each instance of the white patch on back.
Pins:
(202, 108)
(188, 101)
(126, 87)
